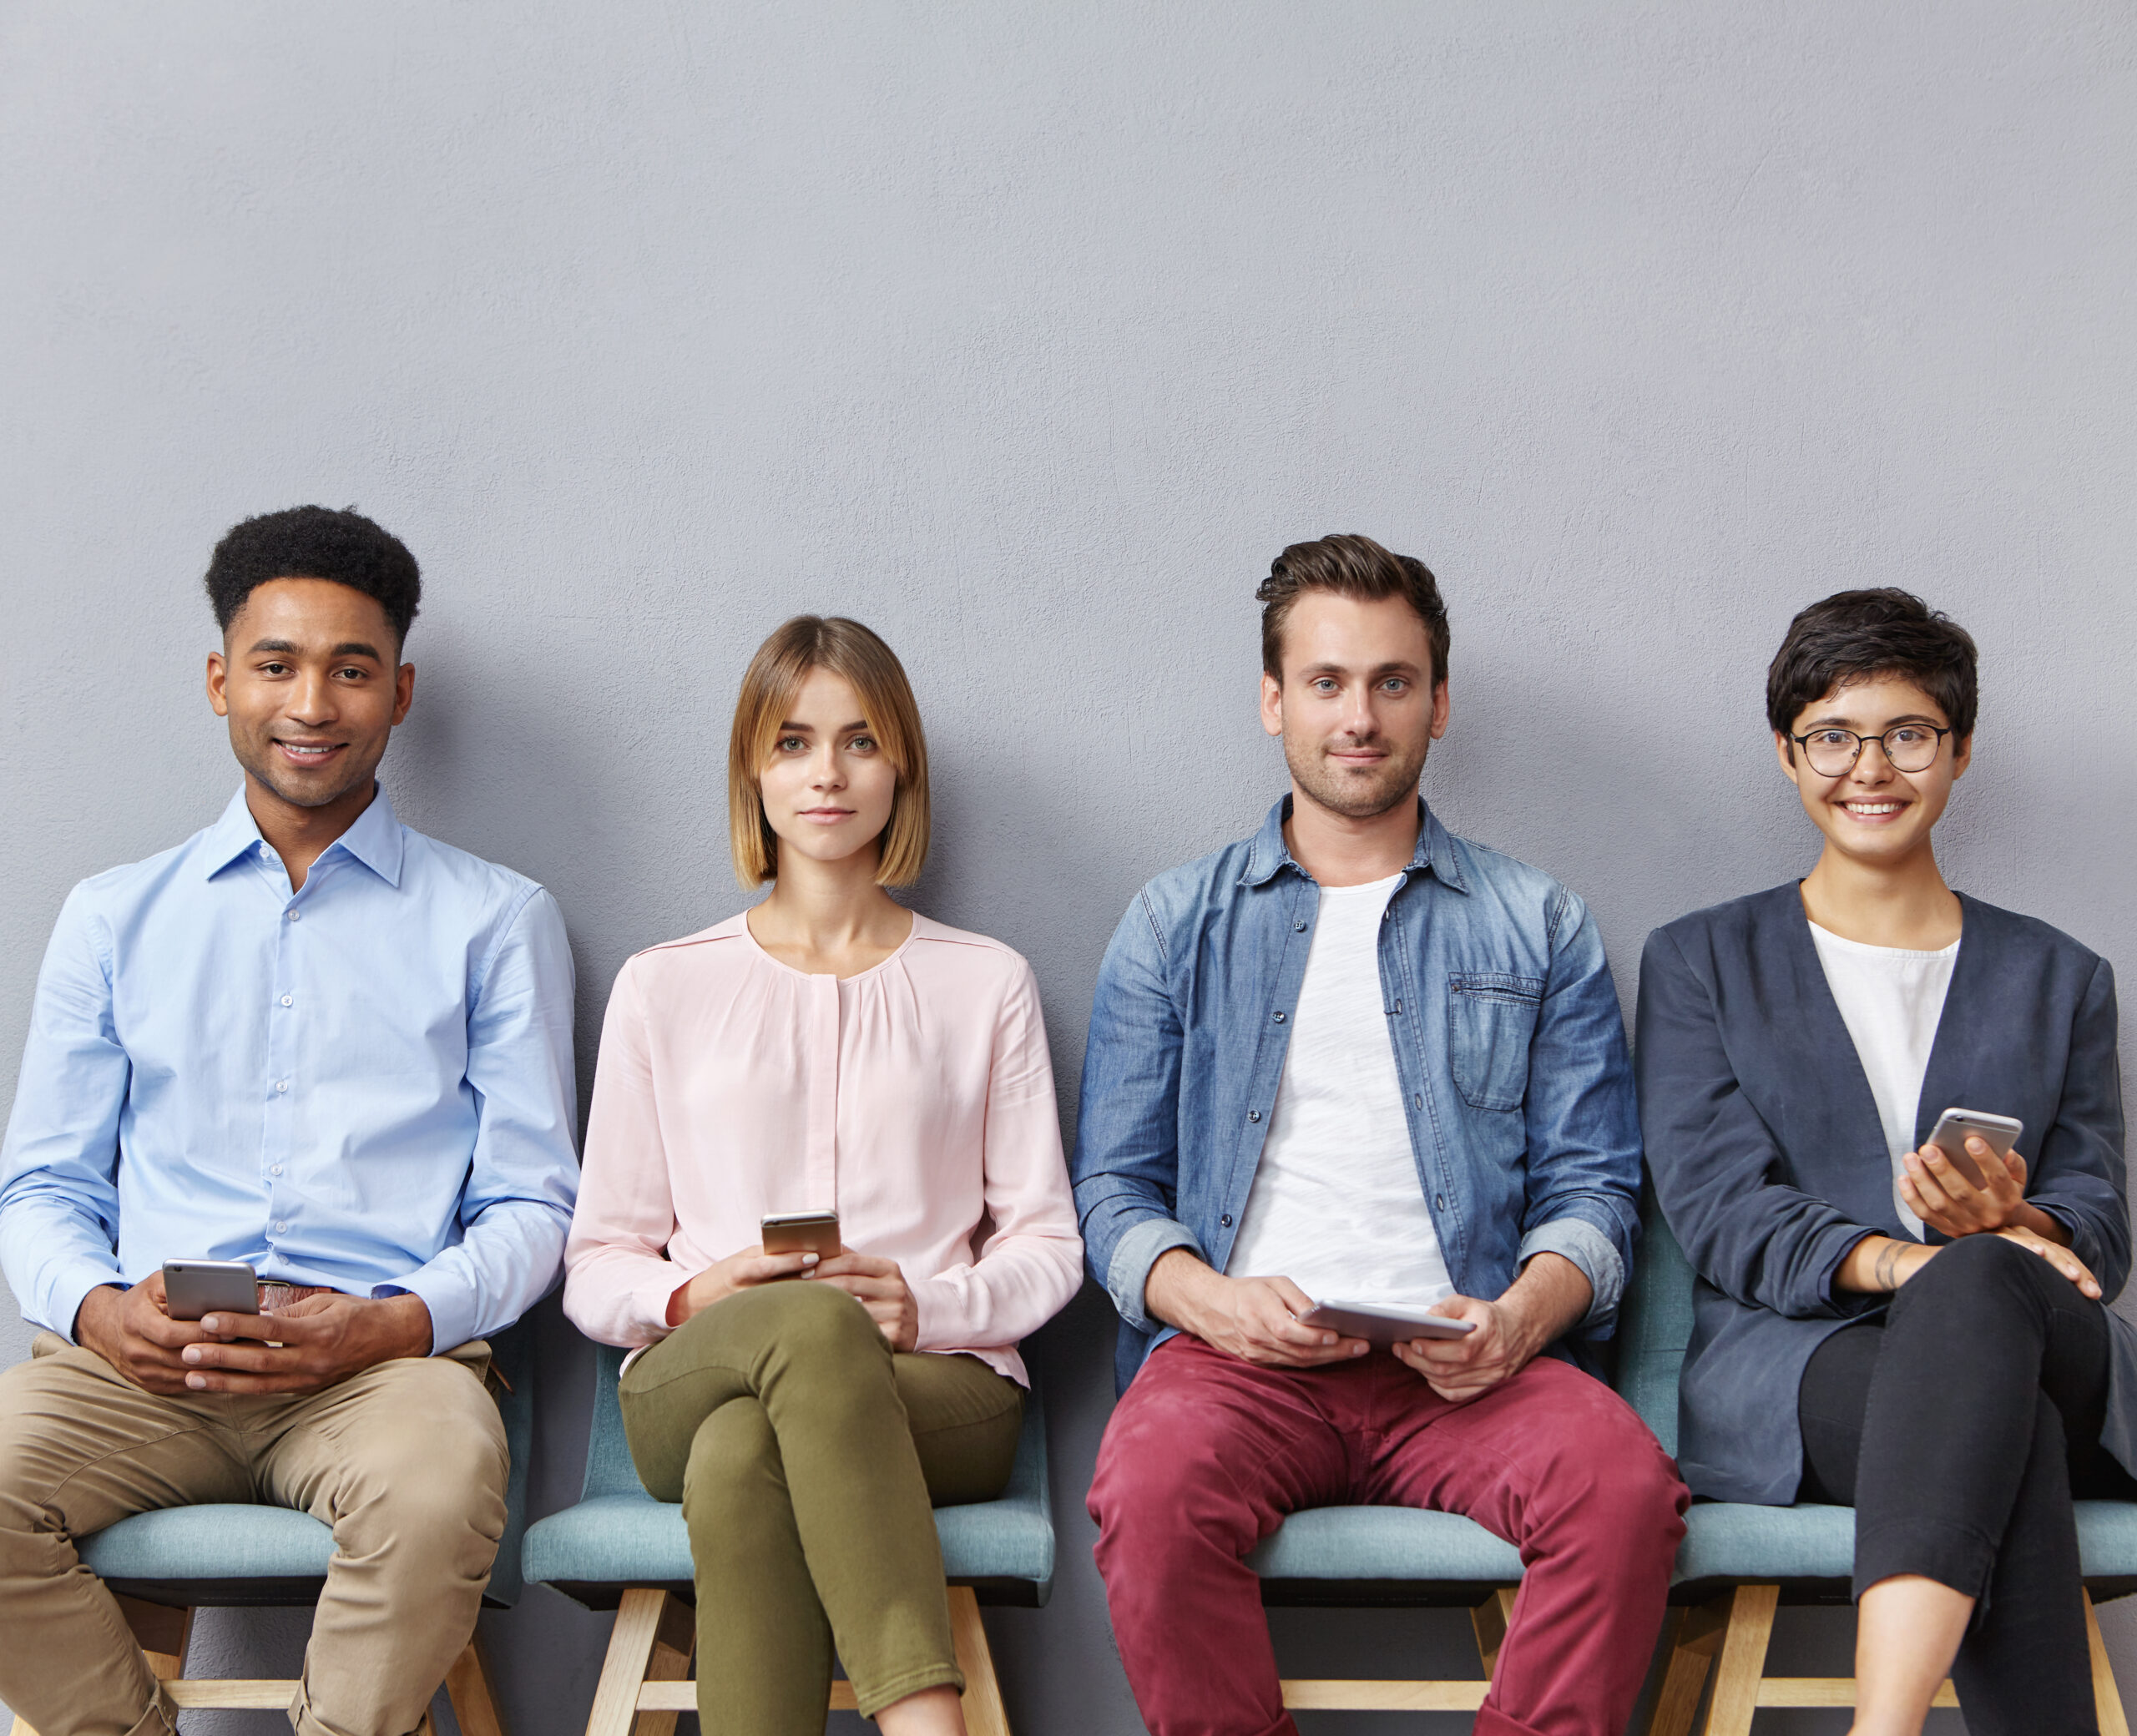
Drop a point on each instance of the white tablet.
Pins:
(1383, 1325)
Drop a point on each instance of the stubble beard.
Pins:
(1353, 795)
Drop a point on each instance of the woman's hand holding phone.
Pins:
(738, 1271)
(1937, 1191)
(880, 1287)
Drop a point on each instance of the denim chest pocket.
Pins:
(1491, 1018)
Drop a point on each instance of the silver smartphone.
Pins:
(802, 1233)
(193, 1288)
(1954, 1126)
(1383, 1326)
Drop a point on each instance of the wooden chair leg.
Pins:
(2107, 1698)
(161, 1633)
(23, 1727)
(1490, 1619)
(984, 1715)
(645, 1620)
(473, 1694)
(1743, 1661)
(1693, 1635)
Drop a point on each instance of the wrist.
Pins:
(1176, 1289)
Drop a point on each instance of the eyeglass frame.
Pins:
(1862, 741)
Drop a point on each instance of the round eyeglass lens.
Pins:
(1909, 747)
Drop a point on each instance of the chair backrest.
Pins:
(609, 1468)
(512, 1354)
(1654, 1325)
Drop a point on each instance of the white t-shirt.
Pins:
(1891, 1000)
(1337, 1206)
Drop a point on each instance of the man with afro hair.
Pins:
(313, 1041)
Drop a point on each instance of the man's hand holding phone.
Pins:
(132, 1330)
(1549, 1296)
(306, 1347)
(1256, 1320)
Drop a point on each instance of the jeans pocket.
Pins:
(1491, 1018)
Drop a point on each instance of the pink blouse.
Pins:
(916, 1098)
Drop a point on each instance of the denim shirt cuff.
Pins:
(1133, 1255)
(1579, 1241)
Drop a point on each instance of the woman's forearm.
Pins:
(1877, 1265)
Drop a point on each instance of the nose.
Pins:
(1864, 769)
(311, 700)
(1357, 711)
(824, 773)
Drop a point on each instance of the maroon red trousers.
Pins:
(1206, 1454)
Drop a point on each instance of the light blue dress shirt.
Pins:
(365, 1084)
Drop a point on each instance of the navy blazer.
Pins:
(1769, 1161)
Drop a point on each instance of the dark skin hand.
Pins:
(306, 1347)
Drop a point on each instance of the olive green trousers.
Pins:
(807, 1456)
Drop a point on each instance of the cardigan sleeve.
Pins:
(1716, 1163)
(2078, 1176)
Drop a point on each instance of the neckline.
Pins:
(757, 946)
(1822, 934)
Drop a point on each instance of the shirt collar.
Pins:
(375, 838)
(1435, 849)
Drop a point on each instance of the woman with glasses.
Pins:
(1872, 1327)
(827, 1051)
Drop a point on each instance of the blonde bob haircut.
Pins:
(775, 674)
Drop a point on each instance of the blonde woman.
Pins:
(825, 1049)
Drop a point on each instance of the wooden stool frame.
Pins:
(1727, 1637)
(164, 1631)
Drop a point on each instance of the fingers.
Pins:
(848, 1264)
(1940, 1185)
(2062, 1258)
(290, 1324)
(2015, 1166)
(769, 1267)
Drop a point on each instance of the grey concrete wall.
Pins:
(1028, 335)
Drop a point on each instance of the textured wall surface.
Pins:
(1028, 335)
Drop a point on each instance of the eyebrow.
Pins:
(348, 648)
(1836, 721)
(791, 727)
(1337, 669)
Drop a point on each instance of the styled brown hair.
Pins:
(1854, 636)
(775, 674)
(1355, 566)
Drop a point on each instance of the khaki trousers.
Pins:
(406, 1461)
(806, 1456)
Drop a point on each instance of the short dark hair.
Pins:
(1355, 566)
(1855, 636)
(316, 543)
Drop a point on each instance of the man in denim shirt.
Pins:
(1356, 1058)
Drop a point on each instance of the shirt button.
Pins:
(1299, 926)
(1398, 1006)
(296, 915)
(1280, 1019)
(274, 1169)
(281, 1084)
(1417, 1098)
(1225, 1222)
(1253, 1115)
(1439, 1202)
(280, 1227)
(286, 999)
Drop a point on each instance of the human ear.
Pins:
(217, 673)
(1272, 705)
(404, 692)
(1961, 755)
(1785, 751)
(1442, 706)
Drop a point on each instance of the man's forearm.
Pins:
(1551, 1295)
(1179, 1281)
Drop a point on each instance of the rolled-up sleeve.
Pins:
(1583, 1120)
(524, 1175)
(1126, 1165)
(58, 1166)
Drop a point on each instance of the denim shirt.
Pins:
(1507, 1042)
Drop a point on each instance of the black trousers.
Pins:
(1959, 1427)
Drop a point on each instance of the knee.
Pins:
(435, 1482)
(818, 1325)
(1606, 1469)
(733, 1467)
(1147, 1478)
(1975, 1276)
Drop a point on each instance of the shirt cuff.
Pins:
(451, 1306)
(65, 1294)
(1133, 1255)
(1577, 1239)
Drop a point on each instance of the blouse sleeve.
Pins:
(618, 1277)
(1031, 1259)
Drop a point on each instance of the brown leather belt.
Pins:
(274, 1295)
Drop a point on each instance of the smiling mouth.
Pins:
(1873, 811)
(308, 753)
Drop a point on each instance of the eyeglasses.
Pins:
(1906, 747)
